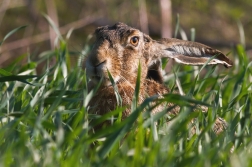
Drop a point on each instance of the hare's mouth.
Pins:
(104, 80)
(100, 73)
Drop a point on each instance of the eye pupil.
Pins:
(134, 40)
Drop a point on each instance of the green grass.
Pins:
(45, 121)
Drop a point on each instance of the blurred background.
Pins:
(219, 24)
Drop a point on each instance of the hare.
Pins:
(120, 49)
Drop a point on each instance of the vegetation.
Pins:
(215, 22)
(45, 119)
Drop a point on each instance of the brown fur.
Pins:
(120, 49)
(105, 100)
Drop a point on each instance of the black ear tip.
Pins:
(227, 66)
(228, 62)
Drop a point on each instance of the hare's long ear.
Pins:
(187, 52)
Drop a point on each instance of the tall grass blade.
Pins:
(117, 94)
(55, 28)
(137, 89)
(12, 32)
(176, 27)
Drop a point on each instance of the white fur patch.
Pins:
(196, 51)
(184, 50)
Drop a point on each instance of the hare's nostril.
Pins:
(100, 63)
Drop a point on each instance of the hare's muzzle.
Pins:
(96, 71)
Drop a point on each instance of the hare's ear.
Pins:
(187, 52)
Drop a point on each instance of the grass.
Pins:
(45, 121)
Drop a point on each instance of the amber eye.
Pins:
(134, 40)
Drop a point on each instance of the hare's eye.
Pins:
(134, 40)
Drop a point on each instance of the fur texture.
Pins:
(120, 49)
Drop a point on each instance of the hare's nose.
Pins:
(99, 67)
(100, 64)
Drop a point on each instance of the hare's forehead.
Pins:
(117, 33)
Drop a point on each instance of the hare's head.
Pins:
(120, 49)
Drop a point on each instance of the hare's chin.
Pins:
(97, 79)
(105, 80)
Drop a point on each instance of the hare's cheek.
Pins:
(115, 70)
